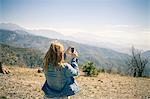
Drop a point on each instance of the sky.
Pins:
(116, 21)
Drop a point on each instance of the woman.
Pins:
(60, 83)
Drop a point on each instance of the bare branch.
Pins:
(136, 62)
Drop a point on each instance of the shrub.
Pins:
(90, 69)
(3, 97)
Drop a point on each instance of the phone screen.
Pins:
(72, 50)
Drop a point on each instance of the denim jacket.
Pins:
(60, 82)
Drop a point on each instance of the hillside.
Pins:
(25, 83)
(20, 56)
(23, 39)
(147, 55)
(11, 26)
(100, 56)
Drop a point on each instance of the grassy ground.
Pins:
(25, 83)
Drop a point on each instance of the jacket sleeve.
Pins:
(72, 70)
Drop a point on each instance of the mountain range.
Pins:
(80, 38)
(102, 57)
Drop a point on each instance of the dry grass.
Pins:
(25, 83)
(22, 83)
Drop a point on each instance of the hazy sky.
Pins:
(115, 21)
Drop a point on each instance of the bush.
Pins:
(3, 97)
(90, 69)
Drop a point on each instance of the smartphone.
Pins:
(72, 50)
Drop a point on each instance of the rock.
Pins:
(100, 81)
(4, 69)
(40, 70)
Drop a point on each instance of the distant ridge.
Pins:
(102, 57)
(54, 34)
(11, 26)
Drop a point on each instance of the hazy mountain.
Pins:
(17, 38)
(146, 53)
(80, 38)
(100, 56)
(11, 26)
(40, 32)
(48, 33)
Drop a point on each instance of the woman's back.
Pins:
(56, 78)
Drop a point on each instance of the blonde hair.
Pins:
(55, 55)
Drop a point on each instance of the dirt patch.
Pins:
(25, 83)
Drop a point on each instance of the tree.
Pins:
(136, 63)
(90, 69)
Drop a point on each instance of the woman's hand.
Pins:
(68, 50)
(75, 54)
